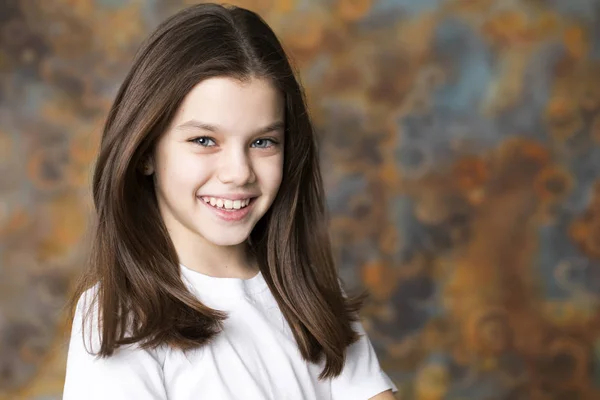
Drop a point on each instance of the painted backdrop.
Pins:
(461, 155)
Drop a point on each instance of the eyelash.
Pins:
(196, 141)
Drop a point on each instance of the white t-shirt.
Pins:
(255, 357)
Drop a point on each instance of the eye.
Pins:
(203, 141)
(264, 143)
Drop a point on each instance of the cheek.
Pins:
(272, 173)
(181, 172)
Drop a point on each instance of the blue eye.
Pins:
(204, 141)
(264, 143)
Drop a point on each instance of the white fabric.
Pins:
(255, 357)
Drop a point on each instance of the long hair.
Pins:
(140, 296)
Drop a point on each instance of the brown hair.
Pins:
(140, 296)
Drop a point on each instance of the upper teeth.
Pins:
(226, 203)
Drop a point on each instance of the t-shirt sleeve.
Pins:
(130, 373)
(362, 376)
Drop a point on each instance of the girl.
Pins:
(212, 275)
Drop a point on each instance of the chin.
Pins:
(225, 239)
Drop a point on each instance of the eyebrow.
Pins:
(195, 124)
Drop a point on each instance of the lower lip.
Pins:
(230, 215)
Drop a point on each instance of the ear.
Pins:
(148, 166)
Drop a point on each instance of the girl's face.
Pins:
(219, 165)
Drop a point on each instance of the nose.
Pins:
(235, 167)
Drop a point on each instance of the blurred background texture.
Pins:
(461, 154)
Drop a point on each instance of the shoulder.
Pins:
(130, 372)
(88, 299)
(86, 323)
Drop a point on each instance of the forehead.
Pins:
(234, 105)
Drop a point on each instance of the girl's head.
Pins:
(211, 111)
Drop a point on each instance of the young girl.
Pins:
(212, 275)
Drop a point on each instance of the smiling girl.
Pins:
(211, 270)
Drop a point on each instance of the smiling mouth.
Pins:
(226, 204)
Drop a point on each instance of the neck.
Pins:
(217, 261)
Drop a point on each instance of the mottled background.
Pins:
(461, 150)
